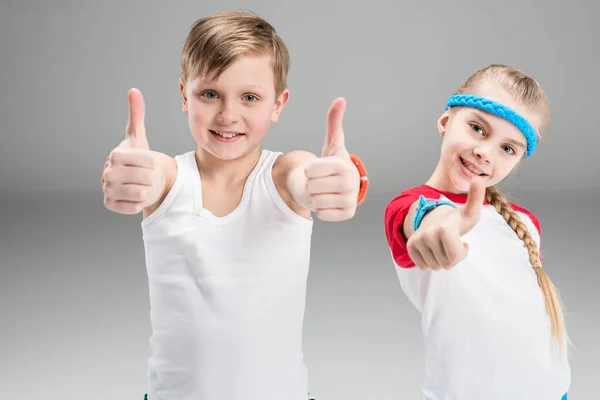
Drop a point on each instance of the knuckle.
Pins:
(350, 204)
(411, 244)
(108, 188)
(347, 186)
(152, 161)
(454, 260)
(439, 231)
(427, 236)
(149, 176)
(142, 195)
(325, 215)
(115, 155)
(108, 176)
(449, 266)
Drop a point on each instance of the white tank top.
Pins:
(227, 294)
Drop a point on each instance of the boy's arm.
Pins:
(166, 167)
(328, 185)
(290, 179)
(136, 178)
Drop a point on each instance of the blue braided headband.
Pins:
(468, 100)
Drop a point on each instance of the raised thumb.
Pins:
(334, 137)
(471, 211)
(136, 128)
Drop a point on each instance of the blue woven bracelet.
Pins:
(426, 205)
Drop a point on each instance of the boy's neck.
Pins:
(226, 171)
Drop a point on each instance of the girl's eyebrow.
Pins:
(481, 116)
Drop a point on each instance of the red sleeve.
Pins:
(395, 213)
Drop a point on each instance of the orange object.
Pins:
(364, 180)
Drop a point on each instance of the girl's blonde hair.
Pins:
(527, 92)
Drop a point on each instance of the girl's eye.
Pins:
(477, 129)
(509, 149)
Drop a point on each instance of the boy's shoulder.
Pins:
(293, 158)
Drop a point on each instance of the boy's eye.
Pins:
(250, 98)
(209, 94)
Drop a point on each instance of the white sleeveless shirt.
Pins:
(227, 294)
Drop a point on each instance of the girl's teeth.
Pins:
(473, 170)
(226, 135)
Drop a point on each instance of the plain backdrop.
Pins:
(74, 318)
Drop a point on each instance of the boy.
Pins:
(227, 228)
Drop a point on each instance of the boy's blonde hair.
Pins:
(216, 41)
(527, 92)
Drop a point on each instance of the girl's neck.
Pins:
(440, 180)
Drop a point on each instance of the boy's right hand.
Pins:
(436, 244)
(132, 179)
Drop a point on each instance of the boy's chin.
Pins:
(226, 154)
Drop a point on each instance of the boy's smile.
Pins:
(230, 113)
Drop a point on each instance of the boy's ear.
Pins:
(280, 102)
(184, 104)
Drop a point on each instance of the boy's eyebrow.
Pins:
(481, 116)
(201, 82)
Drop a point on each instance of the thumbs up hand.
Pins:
(135, 132)
(437, 243)
(333, 181)
(131, 179)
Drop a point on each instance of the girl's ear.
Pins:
(442, 123)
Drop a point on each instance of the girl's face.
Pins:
(477, 143)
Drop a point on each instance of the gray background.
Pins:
(73, 295)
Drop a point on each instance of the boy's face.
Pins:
(230, 116)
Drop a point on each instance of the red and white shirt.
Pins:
(486, 331)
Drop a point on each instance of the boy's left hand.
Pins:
(333, 181)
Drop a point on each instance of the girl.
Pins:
(470, 261)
